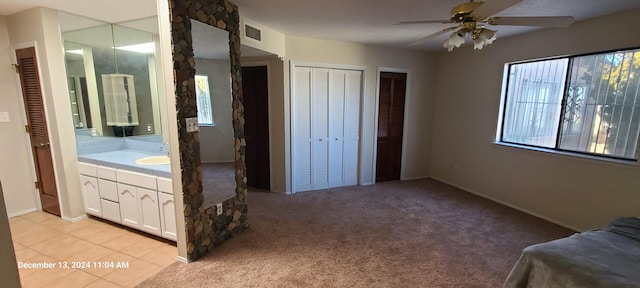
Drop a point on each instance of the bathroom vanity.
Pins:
(128, 182)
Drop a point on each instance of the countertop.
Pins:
(126, 160)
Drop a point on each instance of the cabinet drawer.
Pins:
(164, 185)
(87, 169)
(107, 173)
(108, 190)
(137, 179)
(110, 210)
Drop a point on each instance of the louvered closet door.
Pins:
(302, 129)
(353, 86)
(320, 128)
(326, 121)
(336, 127)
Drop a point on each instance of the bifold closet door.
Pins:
(326, 125)
(336, 127)
(302, 129)
(320, 128)
(353, 91)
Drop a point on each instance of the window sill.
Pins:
(569, 155)
(206, 125)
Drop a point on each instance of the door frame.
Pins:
(47, 110)
(292, 113)
(405, 123)
(263, 63)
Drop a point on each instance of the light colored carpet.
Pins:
(419, 233)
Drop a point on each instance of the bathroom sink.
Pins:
(153, 160)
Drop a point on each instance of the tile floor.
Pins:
(95, 245)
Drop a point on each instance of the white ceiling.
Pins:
(373, 21)
(345, 20)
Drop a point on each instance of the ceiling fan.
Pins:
(472, 17)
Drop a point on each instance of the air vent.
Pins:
(252, 32)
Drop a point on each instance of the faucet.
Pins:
(163, 146)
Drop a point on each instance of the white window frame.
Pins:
(212, 122)
(556, 150)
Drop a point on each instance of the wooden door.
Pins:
(38, 133)
(390, 126)
(256, 127)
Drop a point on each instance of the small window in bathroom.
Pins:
(205, 111)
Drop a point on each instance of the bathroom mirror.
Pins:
(217, 155)
(112, 76)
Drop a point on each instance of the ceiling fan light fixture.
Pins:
(454, 41)
(482, 37)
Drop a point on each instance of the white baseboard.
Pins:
(75, 219)
(555, 221)
(182, 259)
(14, 214)
(366, 183)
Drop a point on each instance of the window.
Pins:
(205, 112)
(584, 104)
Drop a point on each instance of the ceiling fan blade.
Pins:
(434, 35)
(545, 21)
(423, 22)
(492, 7)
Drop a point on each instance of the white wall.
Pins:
(570, 191)
(42, 26)
(272, 40)
(419, 99)
(216, 142)
(15, 169)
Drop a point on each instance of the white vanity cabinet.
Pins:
(108, 194)
(129, 212)
(140, 201)
(90, 192)
(138, 195)
(167, 209)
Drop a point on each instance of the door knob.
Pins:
(43, 145)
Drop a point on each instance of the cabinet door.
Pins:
(91, 195)
(149, 211)
(167, 216)
(128, 199)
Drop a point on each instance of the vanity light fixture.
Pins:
(76, 51)
(144, 48)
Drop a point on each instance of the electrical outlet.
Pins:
(219, 208)
(192, 124)
(148, 128)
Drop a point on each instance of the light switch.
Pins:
(4, 117)
(192, 124)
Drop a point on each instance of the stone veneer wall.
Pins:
(205, 230)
